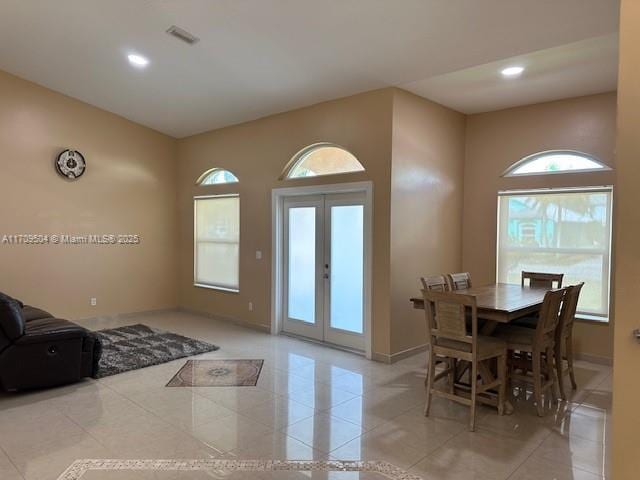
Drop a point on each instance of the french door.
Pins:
(324, 268)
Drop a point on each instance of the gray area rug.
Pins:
(138, 346)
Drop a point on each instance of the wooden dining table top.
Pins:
(501, 302)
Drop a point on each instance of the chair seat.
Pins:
(517, 338)
(488, 347)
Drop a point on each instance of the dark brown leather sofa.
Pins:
(38, 350)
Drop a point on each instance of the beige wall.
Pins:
(426, 206)
(128, 188)
(412, 150)
(626, 416)
(257, 153)
(496, 140)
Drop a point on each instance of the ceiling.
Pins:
(259, 57)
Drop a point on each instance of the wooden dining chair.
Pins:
(542, 280)
(563, 349)
(449, 338)
(435, 283)
(459, 281)
(532, 350)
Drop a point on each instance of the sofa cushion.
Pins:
(11, 321)
(32, 313)
(50, 330)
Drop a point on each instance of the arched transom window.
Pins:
(555, 161)
(322, 159)
(216, 176)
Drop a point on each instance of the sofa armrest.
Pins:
(47, 330)
(30, 313)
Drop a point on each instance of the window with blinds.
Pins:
(217, 242)
(559, 231)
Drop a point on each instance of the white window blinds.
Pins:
(217, 242)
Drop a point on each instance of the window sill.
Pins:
(221, 289)
(583, 317)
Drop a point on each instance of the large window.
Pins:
(217, 242)
(559, 231)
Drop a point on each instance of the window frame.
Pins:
(509, 172)
(195, 243)
(301, 155)
(607, 255)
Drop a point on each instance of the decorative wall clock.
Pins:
(70, 164)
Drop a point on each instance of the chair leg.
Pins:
(431, 372)
(426, 378)
(510, 371)
(557, 353)
(569, 351)
(451, 378)
(552, 375)
(474, 393)
(537, 382)
(502, 376)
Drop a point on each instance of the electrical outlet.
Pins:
(251, 306)
(94, 301)
(258, 254)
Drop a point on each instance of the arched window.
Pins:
(216, 176)
(322, 159)
(555, 161)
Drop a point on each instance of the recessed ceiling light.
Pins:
(512, 71)
(138, 60)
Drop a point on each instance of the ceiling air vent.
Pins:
(182, 35)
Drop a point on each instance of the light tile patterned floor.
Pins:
(310, 403)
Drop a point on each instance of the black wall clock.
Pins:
(70, 164)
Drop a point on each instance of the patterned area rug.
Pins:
(218, 373)
(138, 346)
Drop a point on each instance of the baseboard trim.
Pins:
(117, 316)
(222, 318)
(396, 357)
(594, 359)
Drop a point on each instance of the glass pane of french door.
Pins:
(347, 268)
(302, 264)
(324, 268)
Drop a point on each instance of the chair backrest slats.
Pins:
(549, 315)
(451, 320)
(459, 281)
(447, 315)
(542, 280)
(568, 312)
(435, 283)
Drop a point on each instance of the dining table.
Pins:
(498, 303)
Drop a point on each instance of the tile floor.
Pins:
(310, 403)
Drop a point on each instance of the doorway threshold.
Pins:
(342, 348)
